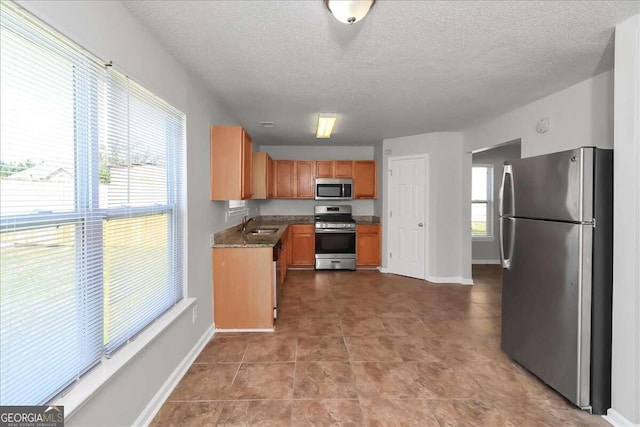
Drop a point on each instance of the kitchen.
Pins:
(569, 105)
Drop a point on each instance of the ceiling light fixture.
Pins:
(325, 125)
(349, 11)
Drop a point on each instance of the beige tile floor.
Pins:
(365, 348)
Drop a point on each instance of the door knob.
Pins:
(420, 224)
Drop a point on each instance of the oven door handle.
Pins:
(328, 231)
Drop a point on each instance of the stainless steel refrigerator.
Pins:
(556, 250)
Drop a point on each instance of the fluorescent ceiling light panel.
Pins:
(325, 125)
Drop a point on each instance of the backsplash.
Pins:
(305, 207)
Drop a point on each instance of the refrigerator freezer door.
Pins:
(546, 304)
(557, 187)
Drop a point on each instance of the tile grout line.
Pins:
(295, 369)
(239, 365)
(344, 341)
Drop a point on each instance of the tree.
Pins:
(9, 168)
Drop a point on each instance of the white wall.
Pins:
(484, 251)
(378, 157)
(108, 30)
(581, 115)
(323, 151)
(626, 247)
(449, 256)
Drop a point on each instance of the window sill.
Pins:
(482, 238)
(90, 384)
(238, 212)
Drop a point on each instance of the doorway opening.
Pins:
(486, 179)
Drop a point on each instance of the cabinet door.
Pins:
(260, 175)
(271, 181)
(230, 171)
(302, 245)
(324, 169)
(304, 179)
(285, 184)
(368, 245)
(247, 163)
(243, 297)
(343, 169)
(364, 179)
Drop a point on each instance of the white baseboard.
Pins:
(616, 419)
(146, 416)
(460, 280)
(433, 279)
(485, 261)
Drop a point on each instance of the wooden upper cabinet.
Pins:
(271, 178)
(302, 244)
(231, 160)
(334, 169)
(343, 169)
(262, 176)
(364, 179)
(247, 168)
(324, 169)
(304, 179)
(285, 178)
(368, 246)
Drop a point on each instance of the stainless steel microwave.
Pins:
(334, 189)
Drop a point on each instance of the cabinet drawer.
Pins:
(368, 228)
(302, 229)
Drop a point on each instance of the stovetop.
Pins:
(334, 217)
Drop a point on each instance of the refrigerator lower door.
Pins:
(546, 303)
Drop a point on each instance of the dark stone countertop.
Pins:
(232, 237)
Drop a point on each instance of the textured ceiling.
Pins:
(409, 67)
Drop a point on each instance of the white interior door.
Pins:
(407, 216)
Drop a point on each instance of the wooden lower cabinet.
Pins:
(243, 288)
(285, 254)
(368, 245)
(303, 245)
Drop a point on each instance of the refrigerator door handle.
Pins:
(506, 261)
(507, 170)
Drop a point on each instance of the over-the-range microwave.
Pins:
(334, 189)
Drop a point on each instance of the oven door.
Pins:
(335, 249)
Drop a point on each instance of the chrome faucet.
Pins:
(246, 220)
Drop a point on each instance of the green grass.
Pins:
(478, 227)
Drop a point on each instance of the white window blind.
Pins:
(237, 206)
(91, 168)
(482, 201)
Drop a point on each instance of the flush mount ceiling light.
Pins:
(349, 11)
(325, 125)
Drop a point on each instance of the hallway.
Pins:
(365, 348)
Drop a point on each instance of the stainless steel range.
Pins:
(335, 238)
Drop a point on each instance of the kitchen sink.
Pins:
(263, 230)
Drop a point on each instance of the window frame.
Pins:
(489, 202)
(237, 210)
(86, 184)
